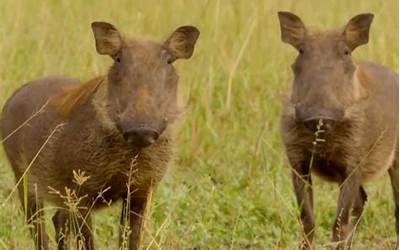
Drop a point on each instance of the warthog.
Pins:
(115, 138)
(340, 121)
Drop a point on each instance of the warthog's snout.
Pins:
(311, 117)
(139, 135)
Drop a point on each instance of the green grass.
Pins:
(229, 187)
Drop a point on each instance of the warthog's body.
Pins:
(85, 142)
(357, 103)
(116, 128)
(367, 136)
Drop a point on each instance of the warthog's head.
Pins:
(142, 82)
(325, 82)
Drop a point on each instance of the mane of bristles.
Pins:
(73, 97)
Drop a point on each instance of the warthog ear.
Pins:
(356, 31)
(181, 42)
(108, 38)
(293, 30)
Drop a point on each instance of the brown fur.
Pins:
(138, 91)
(358, 103)
(71, 98)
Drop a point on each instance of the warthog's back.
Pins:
(383, 87)
(23, 142)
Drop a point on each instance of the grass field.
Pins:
(229, 187)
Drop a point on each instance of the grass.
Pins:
(229, 187)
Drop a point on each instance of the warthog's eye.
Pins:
(117, 57)
(301, 51)
(347, 52)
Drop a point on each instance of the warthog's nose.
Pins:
(141, 137)
(311, 117)
(313, 124)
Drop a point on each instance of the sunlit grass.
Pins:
(230, 186)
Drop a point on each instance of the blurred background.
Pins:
(229, 186)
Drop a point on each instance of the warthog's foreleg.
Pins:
(84, 233)
(61, 226)
(301, 177)
(394, 177)
(130, 237)
(34, 216)
(350, 207)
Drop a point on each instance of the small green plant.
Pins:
(317, 140)
(75, 204)
(126, 230)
